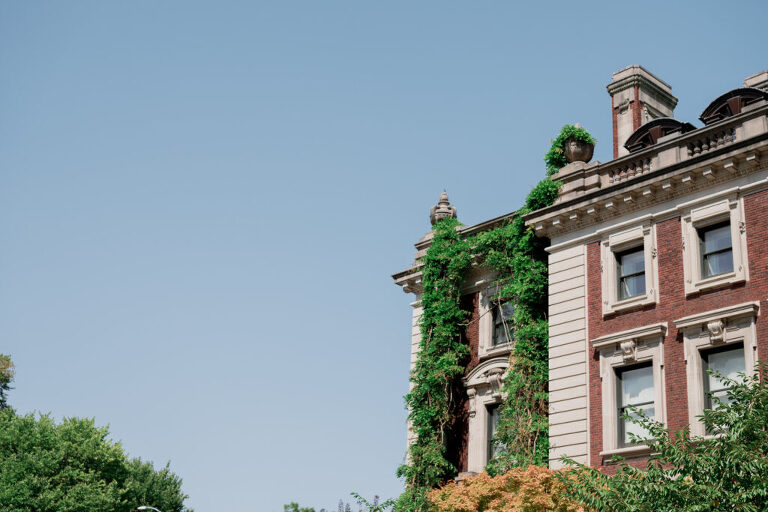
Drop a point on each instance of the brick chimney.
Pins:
(637, 96)
(758, 81)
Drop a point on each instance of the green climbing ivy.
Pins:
(441, 363)
(517, 255)
(519, 261)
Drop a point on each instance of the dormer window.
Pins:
(650, 133)
(731, 104)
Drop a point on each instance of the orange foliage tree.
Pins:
(534, 489)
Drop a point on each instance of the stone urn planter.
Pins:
(577, 150)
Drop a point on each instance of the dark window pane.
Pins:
(631, 286)
(718, 263)
(637, 385)
(717, 238)
(493, 423)
(628, 427)
(502, 323)
(632, 262)
(728, 362)
(635, 388)
(716, 250)
(631, 273)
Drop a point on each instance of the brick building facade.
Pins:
(658, 270)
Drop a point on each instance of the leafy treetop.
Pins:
(725, 471)
(7, 372)
(72, 466)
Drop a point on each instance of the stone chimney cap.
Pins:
(635, 75)
(758, 80)
(442, 210)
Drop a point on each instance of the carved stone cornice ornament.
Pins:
(487, 377)
(471, 394)
(713, 322)
(495, 379)
(716, 330)
(629, 350)
(631, 338)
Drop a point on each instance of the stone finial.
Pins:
(442, 210)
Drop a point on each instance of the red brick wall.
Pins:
(615, 119)
(458, 438)
(636, 108)
(673, 305)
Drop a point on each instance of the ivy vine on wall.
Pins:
(517, 257)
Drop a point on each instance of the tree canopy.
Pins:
(7, 372)
(73, 466)
(724, 471)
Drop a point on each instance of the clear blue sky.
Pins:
(201, 204)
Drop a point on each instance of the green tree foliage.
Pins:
(724, 472)
(7, 372)
(294, 507)
(72, 466)
(375, 505)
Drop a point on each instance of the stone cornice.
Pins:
(658, 172)
(638, 75)
(410, 279)
(488, 373)
(640, 333)
(699, 319)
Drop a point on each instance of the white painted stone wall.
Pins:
(415, 340)
(567, 356)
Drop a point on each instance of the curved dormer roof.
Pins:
(650, 133)
(731, 103)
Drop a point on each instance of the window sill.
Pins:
(631, 303)
(718, 281)
(628, 452)
(496, 351)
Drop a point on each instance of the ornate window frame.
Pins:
(622, 349)
(483, 386)
(643, 236)
(729, 209)
(486, 348)
(711, 329)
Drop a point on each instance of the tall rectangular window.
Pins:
(727, 361)
(493, 423)
(716, 249)
(635, 388)
(502, 323)
(631, 273)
